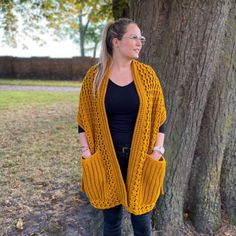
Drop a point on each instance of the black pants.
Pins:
(113, 217)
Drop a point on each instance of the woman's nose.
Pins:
(138, 42)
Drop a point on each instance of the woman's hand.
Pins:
(84, 147)
(86, 154)
(156, 155)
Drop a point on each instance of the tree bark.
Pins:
(228, 174)
(205, 203)
(228, 178)
(81, 36)
(183, 46)
(95, 49)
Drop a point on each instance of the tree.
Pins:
(72, 19)
(228, 173)
(216, 126)
(94, 35)
(192, 47)
(90, 11)
(120, 8)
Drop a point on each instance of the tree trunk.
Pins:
(205, 203)
(228, 178)
(95, 49)
(228, 175)
(81, 36)
(183, 46)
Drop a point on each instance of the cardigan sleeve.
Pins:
(85, 99)
(159, 114)
(85, 107)
(159, 108)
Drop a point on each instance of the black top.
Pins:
(122, 104)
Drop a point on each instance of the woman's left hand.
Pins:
(156, 156)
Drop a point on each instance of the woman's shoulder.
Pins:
(90, 75)
(92, 70)
(145, 68)
(146, 71)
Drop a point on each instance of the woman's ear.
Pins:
(115, 42)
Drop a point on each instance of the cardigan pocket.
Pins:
(93, 177)
(152, 180)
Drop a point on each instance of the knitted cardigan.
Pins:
(101, 175)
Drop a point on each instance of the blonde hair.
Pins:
(112, 30)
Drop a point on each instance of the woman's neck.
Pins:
(120, 65)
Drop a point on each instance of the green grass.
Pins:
(11, 99)
(40, 83)
(39, 162)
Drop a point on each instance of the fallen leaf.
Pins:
(76, 200)
(60, 127)
(20, 224)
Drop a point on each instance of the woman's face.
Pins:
(130, 44)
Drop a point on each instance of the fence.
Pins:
(45, 68)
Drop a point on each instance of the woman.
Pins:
(121, 123)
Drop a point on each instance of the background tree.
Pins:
(120, 8)
(192, 48)
(63, 19)
(94, 36)
(91, 15)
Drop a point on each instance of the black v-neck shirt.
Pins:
(122, 104)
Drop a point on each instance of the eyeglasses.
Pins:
(142, 39)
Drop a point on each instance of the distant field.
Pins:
(11, 99)
(40, 82)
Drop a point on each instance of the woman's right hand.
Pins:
(84, 147)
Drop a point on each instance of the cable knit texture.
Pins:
(101, 178)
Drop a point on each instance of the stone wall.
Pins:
(45, 68)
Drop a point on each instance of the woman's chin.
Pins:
(136, 56)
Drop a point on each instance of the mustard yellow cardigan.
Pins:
(101, 178)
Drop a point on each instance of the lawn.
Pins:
(39, 162)
(26, 82)
(20, 99)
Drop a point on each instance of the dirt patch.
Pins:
(40, 173)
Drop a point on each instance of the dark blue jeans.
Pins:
(113, 217)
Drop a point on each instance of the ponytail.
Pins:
(112, 30)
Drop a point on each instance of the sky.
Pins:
(52, 48)
(59, 49)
